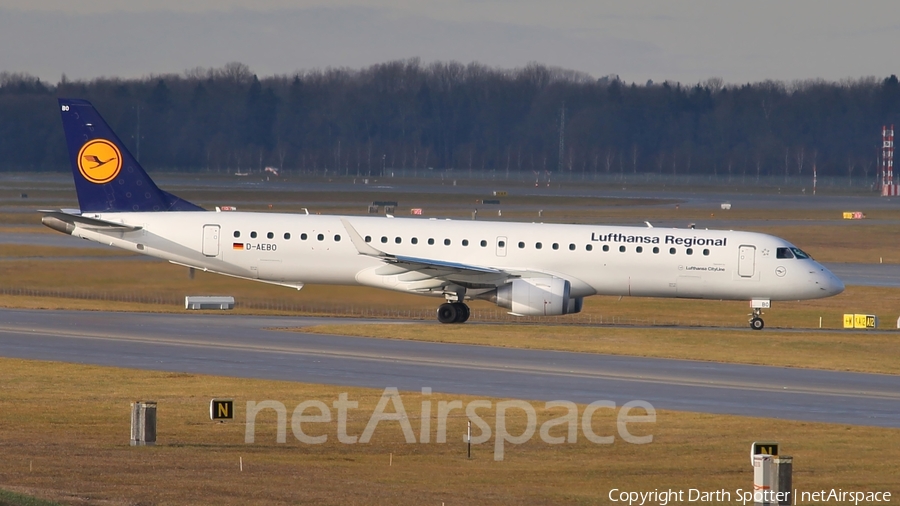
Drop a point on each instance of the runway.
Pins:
(241, 346)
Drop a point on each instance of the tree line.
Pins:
(447, 115)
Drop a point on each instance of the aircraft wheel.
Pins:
(462, 312)
(757, 324)
(447, 313)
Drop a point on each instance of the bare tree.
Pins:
(758, 166)
(634, 157)
(851, 165)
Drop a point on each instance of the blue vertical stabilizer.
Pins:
(107, 177)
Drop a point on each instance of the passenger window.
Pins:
(606, 247)
(538, 245)
(320, 237)
(465, 242)
(622, 249)
(671, 251)
(655, 250)
(521, 245)
(501, 244)
(689, 251)
(589, 247)
(397, 240)
(270, 235)
(337, 238)
(287, 235)
(253, 235)
(383, 240)
(483, 244)
(706, 252)
(446, 242)
(555, 246)
(303, 237)
(368, 238)
(237, 234)
(639, 249)
(414, 240)
(430, 241)
(571, 247)
(783, 253)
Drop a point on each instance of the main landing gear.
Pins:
(453, 312)
(756, 322)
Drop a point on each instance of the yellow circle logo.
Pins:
(99, 161)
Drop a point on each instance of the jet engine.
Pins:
(537, 297)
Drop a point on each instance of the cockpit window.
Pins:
(783, 253)
(800, 253)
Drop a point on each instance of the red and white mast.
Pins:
(888, 188)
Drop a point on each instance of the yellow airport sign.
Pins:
(221, 409)
(860, 321)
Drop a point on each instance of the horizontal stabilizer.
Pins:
(66, 223)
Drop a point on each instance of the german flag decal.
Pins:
(237, 245)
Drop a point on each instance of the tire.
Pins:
(447, 313)
(757, 324)
(462, 312)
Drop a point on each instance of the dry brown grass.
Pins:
(64, 432)
(28, 251)
(850, 351)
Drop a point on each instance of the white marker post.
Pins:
(469, 438)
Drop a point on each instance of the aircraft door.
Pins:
(211, 240)
(746, 261)
(501, 246)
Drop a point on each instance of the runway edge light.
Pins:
(221, 409)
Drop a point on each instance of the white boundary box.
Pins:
(208, 302)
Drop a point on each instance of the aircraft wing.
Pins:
(463, 274)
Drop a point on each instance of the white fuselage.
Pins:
(293, 250)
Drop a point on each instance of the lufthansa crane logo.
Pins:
(99, 161)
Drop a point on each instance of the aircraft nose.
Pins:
(829, 283)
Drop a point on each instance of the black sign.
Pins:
(221, 409)
(765, 448)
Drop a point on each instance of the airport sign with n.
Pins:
(221, 409)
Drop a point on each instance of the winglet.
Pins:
(361, 246)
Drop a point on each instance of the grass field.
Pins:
(852, 351)
(65, 429)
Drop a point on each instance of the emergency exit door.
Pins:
(501, 246)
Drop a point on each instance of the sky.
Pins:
(686, 41)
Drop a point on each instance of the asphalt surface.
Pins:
(242, 346)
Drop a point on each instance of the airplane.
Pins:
(533, 269)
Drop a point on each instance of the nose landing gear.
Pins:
(756, 306)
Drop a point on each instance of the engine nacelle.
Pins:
(538, 297)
